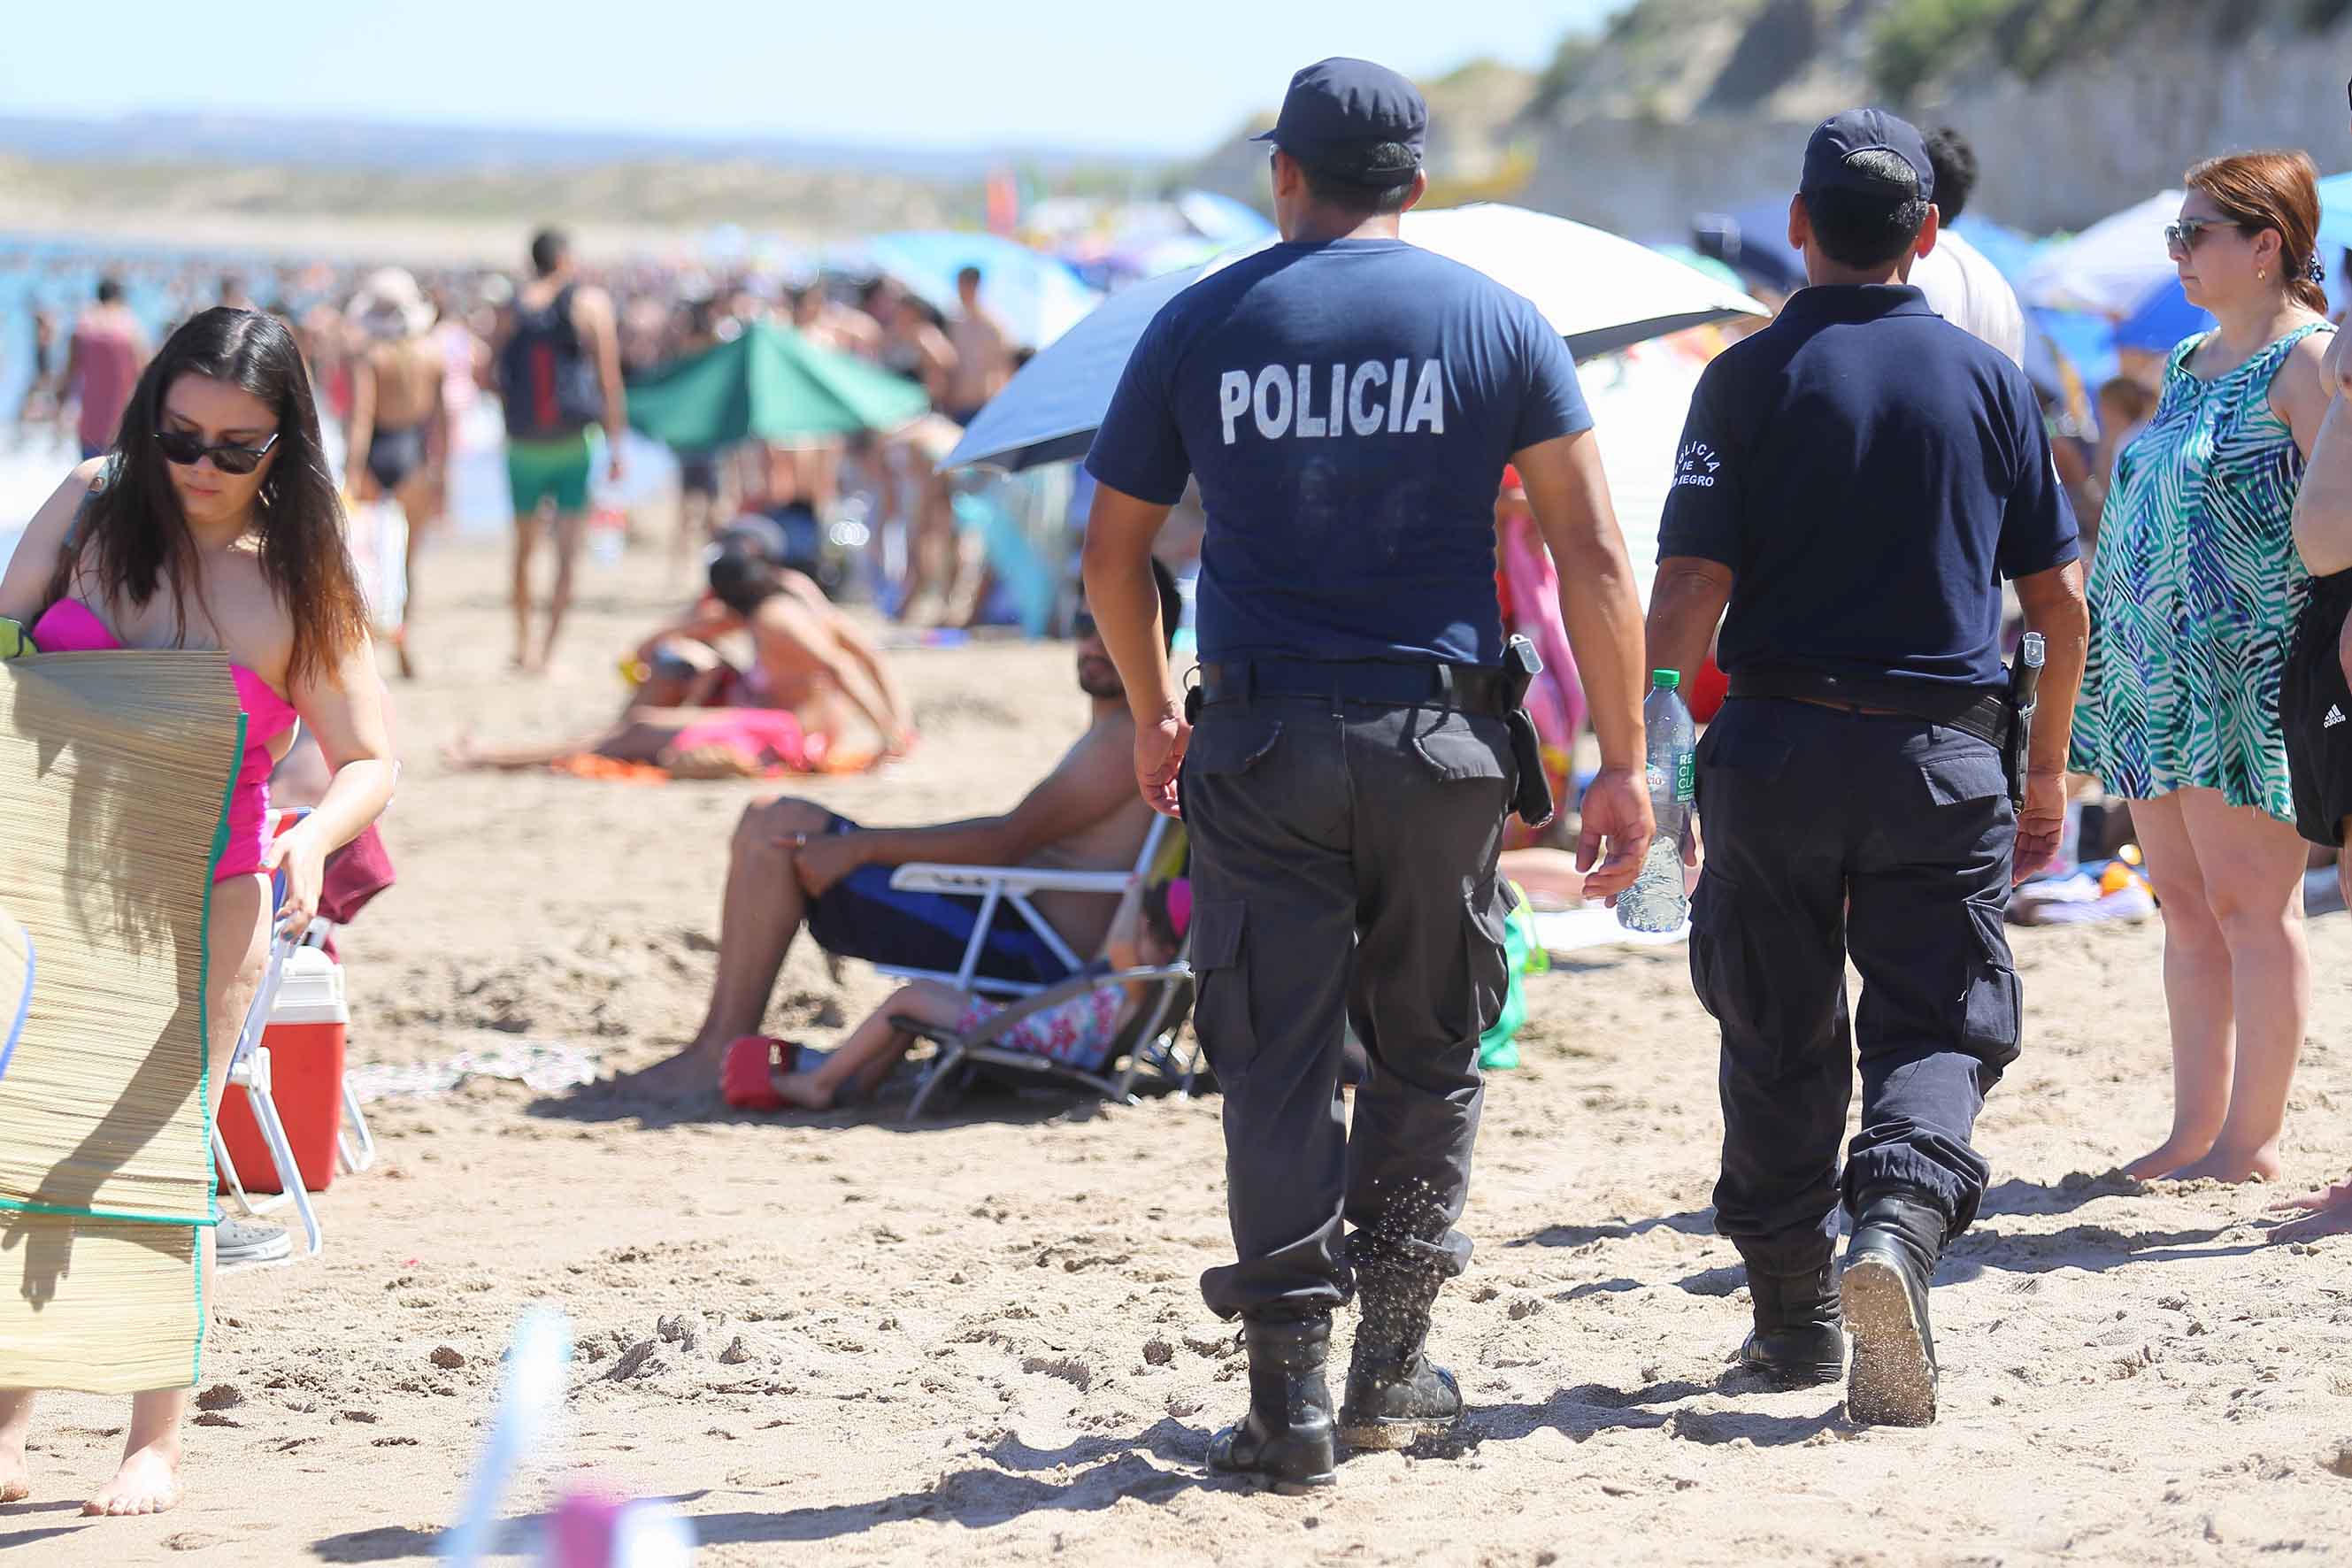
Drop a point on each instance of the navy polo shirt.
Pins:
(1869, 472)
(1348, 407)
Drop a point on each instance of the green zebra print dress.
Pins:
(2195, 592)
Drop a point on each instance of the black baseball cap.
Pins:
(1827, 156)
(1340, 112)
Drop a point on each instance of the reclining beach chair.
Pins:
(1000, 887)
(1146, 1043)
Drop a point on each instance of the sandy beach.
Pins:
(836, 1340)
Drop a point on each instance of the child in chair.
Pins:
(764, 1074)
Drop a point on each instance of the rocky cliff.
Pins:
(2077, 108)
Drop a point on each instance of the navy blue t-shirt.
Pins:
(1348, 407)
(1869, 472)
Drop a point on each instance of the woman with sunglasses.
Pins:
(2194, 595)
(214, 523)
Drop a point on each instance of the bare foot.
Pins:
(2226, 1166)
(689, 1075)
(15, 1475)
(2174, 1153)
(148, 1482)
(461, 755)
(2327, 1212)
(802, 1090)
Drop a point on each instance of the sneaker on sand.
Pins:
(239, 1241)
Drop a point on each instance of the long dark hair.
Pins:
(133, 536)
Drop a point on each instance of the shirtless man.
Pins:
(108, 351)
(983, 353)
(559, 359)
(796, 863)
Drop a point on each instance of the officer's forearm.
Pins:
(2054, 607)
(1568, 494)
(1125, 599)
(1685, 605)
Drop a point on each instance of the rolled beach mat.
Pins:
(16, 983)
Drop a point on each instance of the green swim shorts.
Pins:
(556, 471)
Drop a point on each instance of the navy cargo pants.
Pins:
(1831, 833)
(1344, 870)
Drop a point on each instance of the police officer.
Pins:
(1348, 403)
(1854, 480)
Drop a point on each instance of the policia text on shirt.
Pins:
(1348, 403)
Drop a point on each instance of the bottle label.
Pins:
(1686, 776)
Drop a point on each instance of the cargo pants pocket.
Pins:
(1992, 1001)
(1487, 921)
(1221, 1014)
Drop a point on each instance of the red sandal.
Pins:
(744, 1079)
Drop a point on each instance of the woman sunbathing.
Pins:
(817, 698)
(764, 1074)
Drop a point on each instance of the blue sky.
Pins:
(1170, 78)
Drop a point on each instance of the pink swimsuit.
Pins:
(70, 626)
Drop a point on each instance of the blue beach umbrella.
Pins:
(1037, 296)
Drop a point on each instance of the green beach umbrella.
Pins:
(770, 384)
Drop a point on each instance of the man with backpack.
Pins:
(559, 366)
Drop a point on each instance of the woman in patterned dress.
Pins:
(2194, 595)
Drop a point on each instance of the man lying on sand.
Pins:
(816, 695)
(796, 863)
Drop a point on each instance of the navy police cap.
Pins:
(1341, 113)
(1827, 156)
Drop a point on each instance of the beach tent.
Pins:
(2111, 268)
(1037, 297)
(769, 383)
(1598, 291)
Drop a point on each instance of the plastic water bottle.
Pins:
(1657, 901)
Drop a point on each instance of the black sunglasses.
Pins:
(1082, 626)
(2183, 235)
(188, 449)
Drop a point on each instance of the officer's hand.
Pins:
(1159, 756)
(2041, 824)
(1616, 809)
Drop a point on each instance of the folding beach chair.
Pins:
(1147, 1043)
(999, 888)
(248, 1069)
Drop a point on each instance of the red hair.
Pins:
(2280, 191)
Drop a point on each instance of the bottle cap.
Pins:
(1665, 679)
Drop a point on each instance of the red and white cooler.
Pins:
(305, 1037)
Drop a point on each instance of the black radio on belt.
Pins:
(1532, 804)
(2024, 695)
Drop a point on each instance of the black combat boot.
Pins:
(1395, 1392)
(1798, 1340)
(1286, 1436)
(1889, 1263)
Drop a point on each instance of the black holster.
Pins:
(1532, 803)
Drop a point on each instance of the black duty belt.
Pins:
(1469, 687)
(1989, 718)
